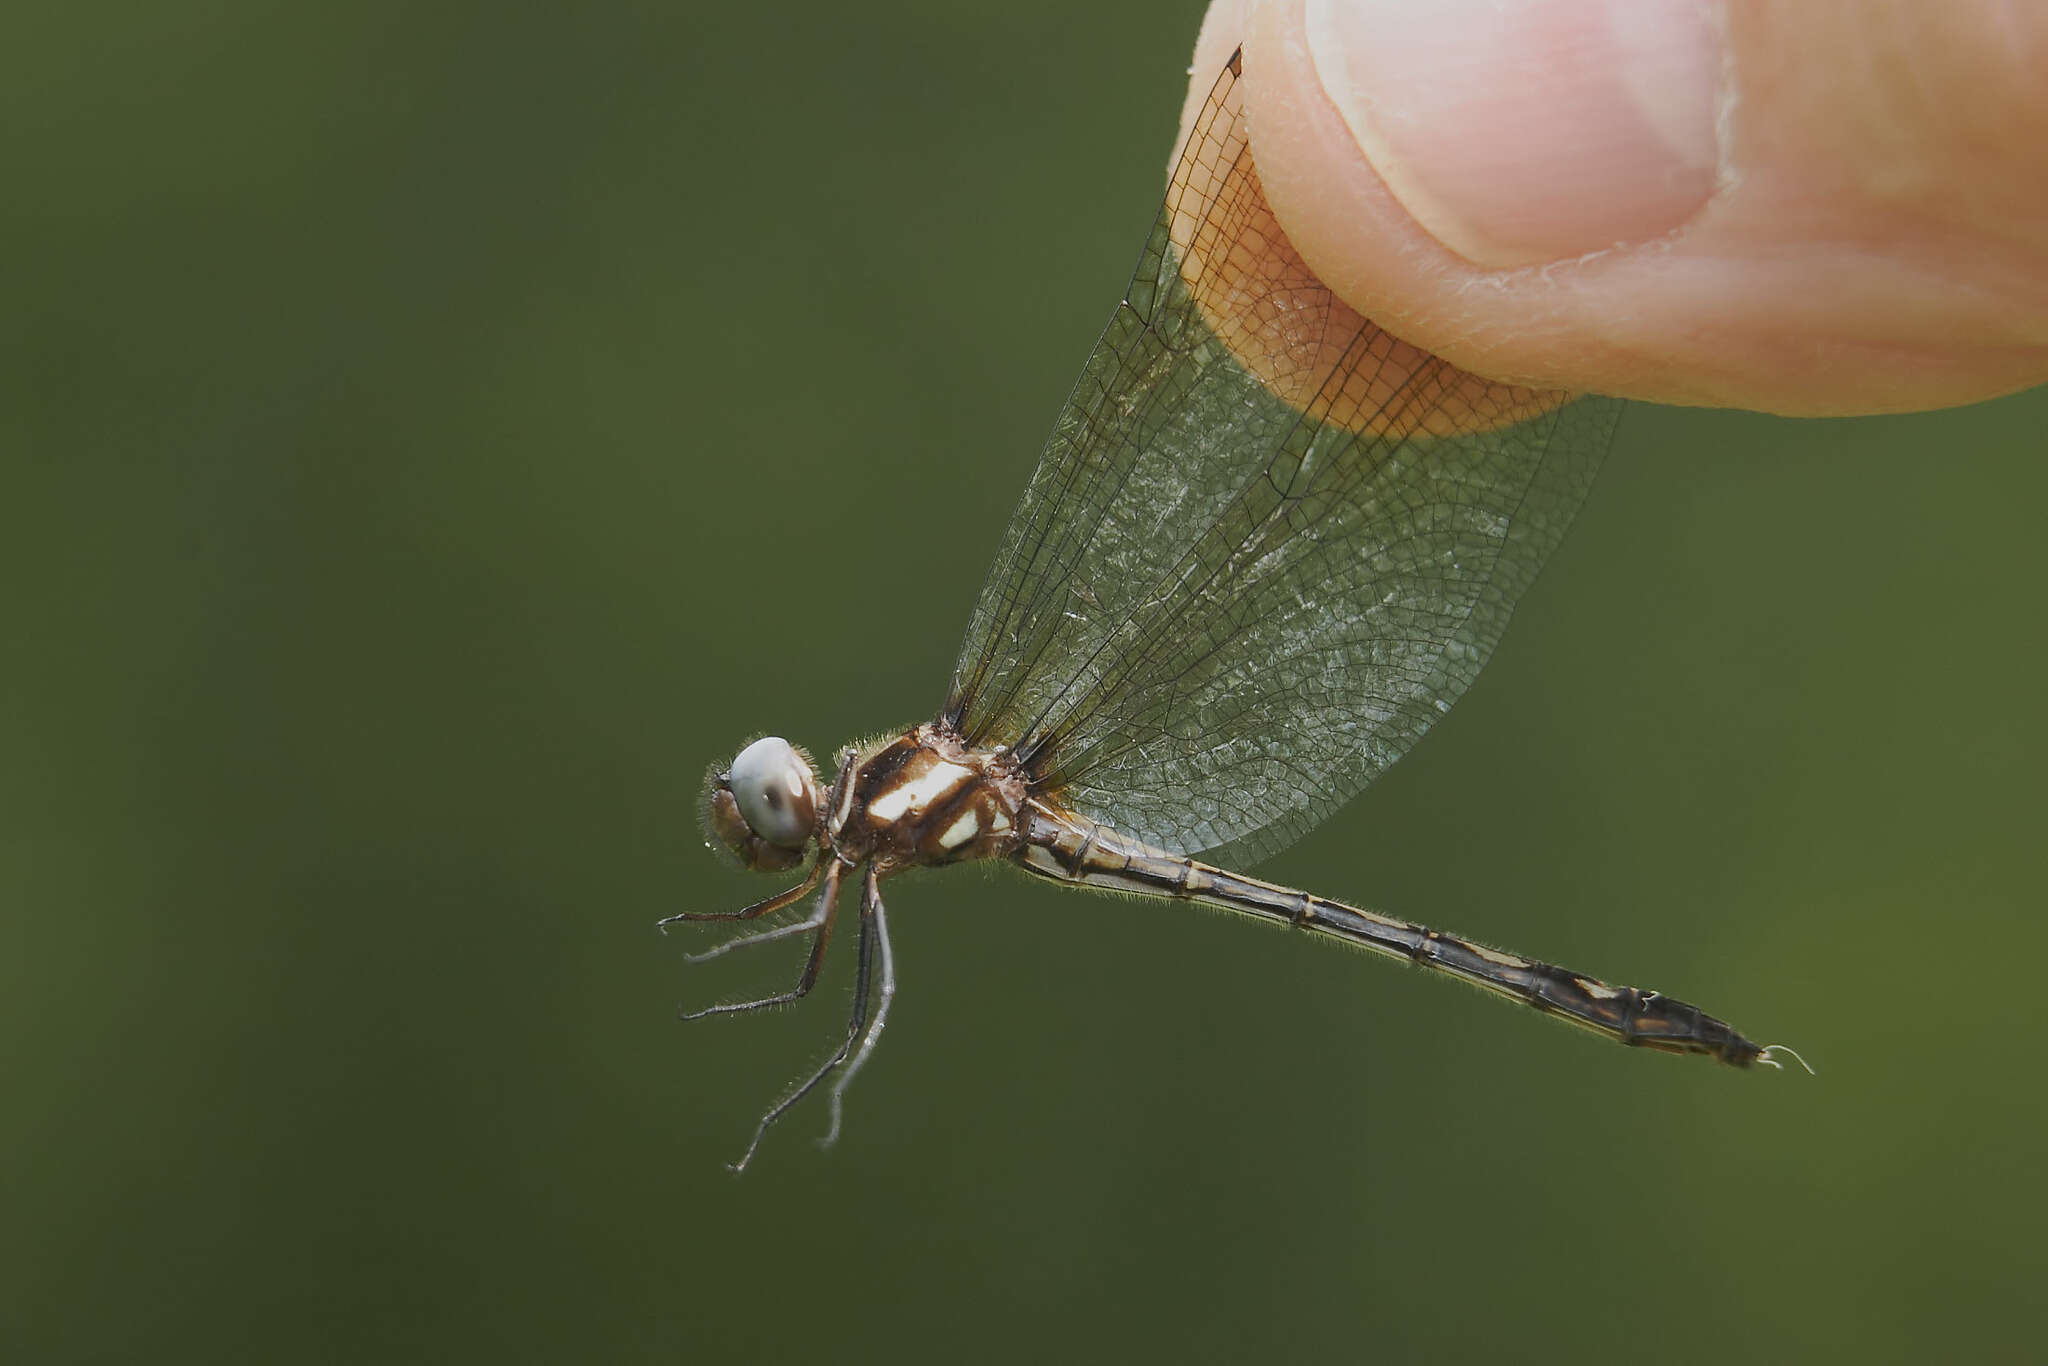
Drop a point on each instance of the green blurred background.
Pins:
(435, 433)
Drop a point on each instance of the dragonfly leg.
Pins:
(870, 905)
(827, 902)
(884, 994)
(805, 926)
(753, 912)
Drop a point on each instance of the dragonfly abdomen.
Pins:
(1069, 848)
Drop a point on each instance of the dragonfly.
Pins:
(1264, 550)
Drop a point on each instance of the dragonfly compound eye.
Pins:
(765, 807)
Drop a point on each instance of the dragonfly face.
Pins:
(1265, 550)
(764, 805)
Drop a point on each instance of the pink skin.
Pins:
(1816, 209)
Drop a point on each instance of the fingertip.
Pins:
(1803, 286)
(1519, 132)
(1359, 238)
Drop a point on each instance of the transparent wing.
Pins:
(1267, 545)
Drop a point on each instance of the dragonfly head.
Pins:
(764, 805)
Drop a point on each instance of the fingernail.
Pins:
(1519, 131)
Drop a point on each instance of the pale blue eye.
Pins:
(773, 787)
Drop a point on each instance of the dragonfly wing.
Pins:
(1267, 544)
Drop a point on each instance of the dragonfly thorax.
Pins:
(924, 797)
